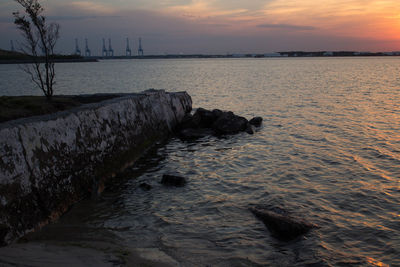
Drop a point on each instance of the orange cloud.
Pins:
(371, 19)
(203, 9)
(375, 19)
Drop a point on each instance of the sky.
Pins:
(218, 26)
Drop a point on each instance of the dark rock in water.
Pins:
(172, 180)
(217, 113)
(250, 129)
(256, 121)
(188, 122)
(280, 224)
(206, 118)
(229, 123)
(145, 186)
(205, 122)
(191, 133)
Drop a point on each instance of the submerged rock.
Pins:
(280, 224)
(145, 186)
(256, 121)
(172, 180)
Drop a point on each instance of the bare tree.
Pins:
(40, 39)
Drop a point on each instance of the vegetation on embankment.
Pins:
(12, 57)
(15, 107)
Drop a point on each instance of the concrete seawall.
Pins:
(47, 163)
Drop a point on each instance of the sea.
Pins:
(328, 152)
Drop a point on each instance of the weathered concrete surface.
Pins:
(47, 163)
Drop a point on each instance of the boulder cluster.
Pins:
(203, 123)
(215, 122)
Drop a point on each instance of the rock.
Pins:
(206, 117)
(250, 129)
(188, 122)
(256, 121)
(229, 123)
(202, 118)
(172, 180)
(205, 122)
(195, 133)
(145, 186)
(281, 225)
(217, 113)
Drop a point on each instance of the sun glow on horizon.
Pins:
(258, 25)
(370, 19)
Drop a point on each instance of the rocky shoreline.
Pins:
(215, 122)
(50, 162)
(185, 125)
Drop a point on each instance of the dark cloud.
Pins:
(287, 27)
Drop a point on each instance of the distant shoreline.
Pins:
(270, 55)
(200, 56)
(29, 61)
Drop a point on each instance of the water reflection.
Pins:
(328, 152)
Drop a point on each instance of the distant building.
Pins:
(394, 53)
(328, 54)
(272, 55)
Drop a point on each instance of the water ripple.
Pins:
(328, 152)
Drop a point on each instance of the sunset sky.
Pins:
(220, 26)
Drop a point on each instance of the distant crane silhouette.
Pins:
(110, 50)
(140, 50)
(77, 50)
(87, 50)
(128, 49)
(104, 51)
(12, 46)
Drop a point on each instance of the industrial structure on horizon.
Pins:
(87, 50)
(140, 50)
(108, 52)
(128, 52)
(77, 50)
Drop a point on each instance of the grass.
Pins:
(15, 107)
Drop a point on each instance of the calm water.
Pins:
(328, 151)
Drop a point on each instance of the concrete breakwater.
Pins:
(47, 163)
